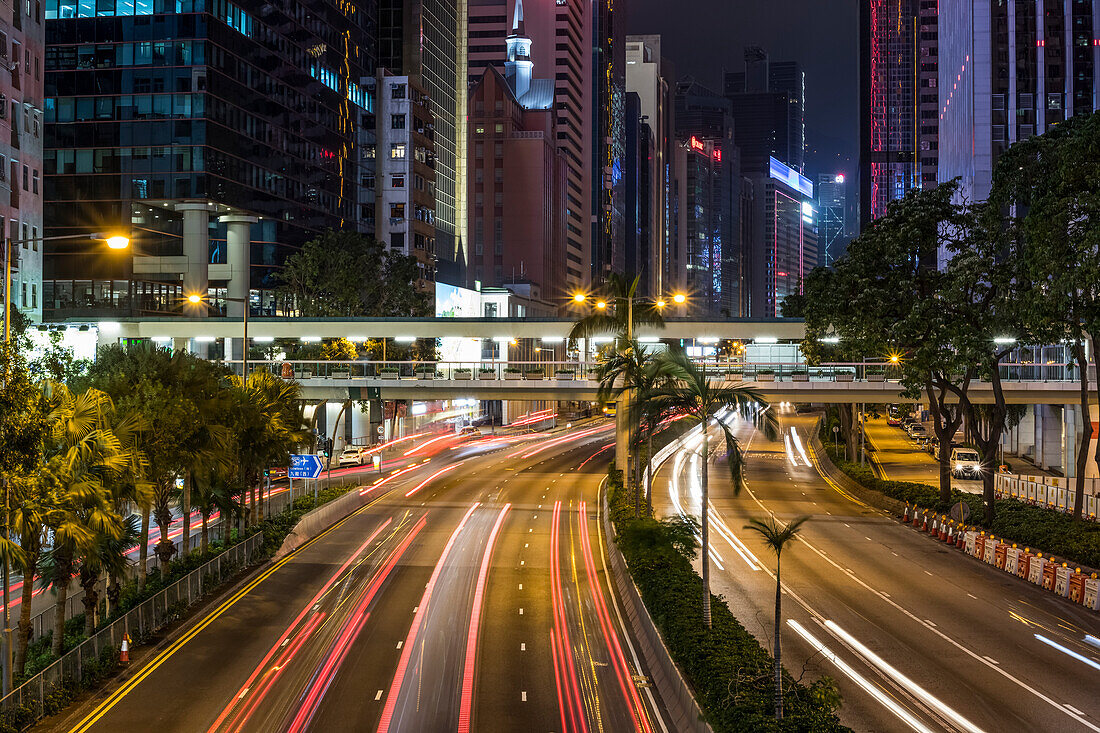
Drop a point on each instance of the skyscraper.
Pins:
(768, 103)
(898, 123)
(206, 131)
(561, 35)
(518, 176)
(832, 202)
(608, 135)
(652, 78)
(785, 247)
(1008, 72)
(420, 38)
(21, 93)
(715, 255)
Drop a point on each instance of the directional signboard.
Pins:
(305, 466)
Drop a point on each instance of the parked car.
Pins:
(917, 431)
(469, 430)
(965, 463)
(352, 455)
(893, 421)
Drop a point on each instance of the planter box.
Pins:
(732, 377)
(845, 377)
(800, 377)
(486, 375)
(534, 376)
(564, 376)
(592, 376)
(343, 374)
(304, 374)
(389, 375)
(425, 375)
(513, 376)
(463, 374)
(876, 377)
(765, 377)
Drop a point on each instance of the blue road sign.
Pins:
(305, 466)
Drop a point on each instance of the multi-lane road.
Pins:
(471, 593)
(917, 636)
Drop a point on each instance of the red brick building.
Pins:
(517, 178)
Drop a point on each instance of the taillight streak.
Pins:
(320, 594)
(428, 480)
(565, 661)
(622, 672)
(466, 704)
(352, 627)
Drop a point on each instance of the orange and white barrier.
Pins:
(1091, 595)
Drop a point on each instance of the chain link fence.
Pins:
(32, 698)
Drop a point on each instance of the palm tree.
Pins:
(689, 391)
(270, 424)
(633, 371)
(624, 312)
(776, 536)
(32, 508)
(82, 455)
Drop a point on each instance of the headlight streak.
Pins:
(410, 640)
(467, 695)
(1069, 652)
(929, 699)
(799, 447)
(904, 715)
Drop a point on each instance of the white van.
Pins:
(965, 463)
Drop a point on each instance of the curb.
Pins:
(674, 691)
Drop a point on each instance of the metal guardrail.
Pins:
(140, 622)
(45, 620)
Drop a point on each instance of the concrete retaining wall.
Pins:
(683, 712)
(320, 519)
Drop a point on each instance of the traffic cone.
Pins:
(960, 538)
(124, 652)
(905, 517)
(924, 523)
(943, 529)
(916, 518)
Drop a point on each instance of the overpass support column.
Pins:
(1023, 444)
(1048, 436)
(1070, 436)
(196, 250)
(238, 240)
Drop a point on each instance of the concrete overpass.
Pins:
(361, 329)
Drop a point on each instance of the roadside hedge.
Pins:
(1046, 530)
(730, 672)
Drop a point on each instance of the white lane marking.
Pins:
(378, 695)
(523, 696)
(402, 642)
(929, 574)
(903, 714)
(1068, 707)
(525, 545)
(930, 622)
(521, 612)
(416, 608)
(990, 659)
(521, 586)
(523, 646)
(521, 562)
(969, 594)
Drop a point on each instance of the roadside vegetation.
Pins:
(731, 673)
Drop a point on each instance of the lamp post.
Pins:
(113, 242)
(195, 299)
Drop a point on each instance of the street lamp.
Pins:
(679, 298)
(195, 299)
(114, 242)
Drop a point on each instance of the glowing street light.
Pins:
(118, 242)
(661, 304)
(579, 298)
(679, 298)
(601, 305)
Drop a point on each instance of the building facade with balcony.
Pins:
(219, 135)
(404, 173)
(22, 42)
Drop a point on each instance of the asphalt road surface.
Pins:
(917, 636)
(470, 594)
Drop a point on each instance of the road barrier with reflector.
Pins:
(1051, 492)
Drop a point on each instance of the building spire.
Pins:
(517, 20)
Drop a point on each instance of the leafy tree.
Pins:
(344, 273)
(1045, 188)
(887, 295)
(339, 350)
(777, 536)
(691, 392)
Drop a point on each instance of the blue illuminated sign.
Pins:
(790, 177)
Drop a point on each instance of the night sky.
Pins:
(704, 37)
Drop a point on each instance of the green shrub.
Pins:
(1049, 531)
(732, 675)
